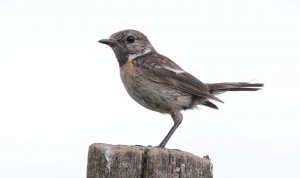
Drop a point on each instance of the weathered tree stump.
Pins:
(121, 161)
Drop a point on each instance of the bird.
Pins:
(159, 84)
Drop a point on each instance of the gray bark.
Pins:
(121, 161)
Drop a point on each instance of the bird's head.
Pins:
(128, 44)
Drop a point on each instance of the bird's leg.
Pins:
(177, 118)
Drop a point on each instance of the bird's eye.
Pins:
(130, 39)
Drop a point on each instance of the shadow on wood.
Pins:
(122, 161)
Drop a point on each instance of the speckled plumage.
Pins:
(152, 95)
(158, 83)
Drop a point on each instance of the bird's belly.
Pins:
(153, 95)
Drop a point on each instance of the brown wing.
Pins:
(160, 69)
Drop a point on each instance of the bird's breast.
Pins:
(130, 78)
(128, 74)
(152, 95)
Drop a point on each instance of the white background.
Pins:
(60, 90)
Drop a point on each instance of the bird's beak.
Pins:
(108, 42)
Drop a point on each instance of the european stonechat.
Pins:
(159, 84)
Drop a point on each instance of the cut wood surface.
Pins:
(123, 161)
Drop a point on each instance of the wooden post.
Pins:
(122, 161)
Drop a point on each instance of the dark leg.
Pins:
(177, 118)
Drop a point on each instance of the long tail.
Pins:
(216, 88)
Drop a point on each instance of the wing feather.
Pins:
(162, 70)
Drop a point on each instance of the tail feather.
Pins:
(210, 104)
(217, 88)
